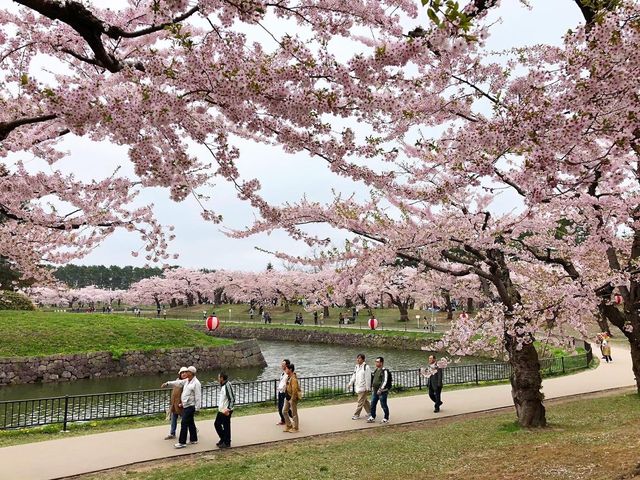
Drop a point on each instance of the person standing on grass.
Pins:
(380, 386)
(282, 390)
(361, 382)
(292, 395)
(434, 375)
(226, 402)
(190, 401)
(175, 408)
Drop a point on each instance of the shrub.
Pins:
(14, 301)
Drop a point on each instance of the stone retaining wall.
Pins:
(317, 336)
(58, 368)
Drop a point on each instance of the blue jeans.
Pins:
(174, 423)
(383, 403)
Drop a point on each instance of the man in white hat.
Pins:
(190, 401)
(175, 409)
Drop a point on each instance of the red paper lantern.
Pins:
(617, 298)
(212, 323)
(464, 316)
(373, 323)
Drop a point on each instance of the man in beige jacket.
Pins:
(361, 383)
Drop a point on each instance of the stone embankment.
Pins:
(69, 367)
(355, 339)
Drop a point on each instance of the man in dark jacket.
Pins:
(434, 376)
(380, 386)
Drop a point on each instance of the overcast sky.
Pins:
(283, 176)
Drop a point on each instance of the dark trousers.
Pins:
(223, 427)
(188, 423)
(383, 403)
(435, 394)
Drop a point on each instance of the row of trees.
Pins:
(402, 287)
(101, 276)
(444, 129)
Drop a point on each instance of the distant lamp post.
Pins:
(212, 323)
(373, 323)
(229, 315)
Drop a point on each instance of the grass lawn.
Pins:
(591, 438)
(240, 313)
(28, 334)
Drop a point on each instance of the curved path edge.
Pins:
(80, 455)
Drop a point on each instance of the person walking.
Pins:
(282, 389)
(175, 408)
(361, 382)
(380, 386)
(226, 402)
(434, 375)
(606, 348)
(190, 401)
(292, 395)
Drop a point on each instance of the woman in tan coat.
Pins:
(292, 395)
(175, 407)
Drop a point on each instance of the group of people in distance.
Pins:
(371, 388)
(186, 400)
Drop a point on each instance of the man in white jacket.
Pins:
(361, 381)
(191, 401)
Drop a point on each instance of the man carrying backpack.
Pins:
(380, 386)
(361, 380)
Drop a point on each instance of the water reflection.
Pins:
(310, 360)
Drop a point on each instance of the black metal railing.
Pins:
(103, 406)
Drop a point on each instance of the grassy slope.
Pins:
(39, 333)
(587, 439)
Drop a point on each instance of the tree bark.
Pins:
(325, 312)
(635, 359)
(526, 382)
(404, 311)
(469, 305)
(447, 301)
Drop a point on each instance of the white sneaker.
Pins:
(371, 420)
(193, 443)
(180, 445)
(355, 417)
(384, 420)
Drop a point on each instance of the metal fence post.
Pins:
(275, 392)
(562, 359)
(66, 413)
(419, 380)
(477, 378)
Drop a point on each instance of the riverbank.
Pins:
(53, 347)
(390, 339)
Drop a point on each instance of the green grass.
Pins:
(349, 330)
(594, 438)
(389, 317)
(27, 334)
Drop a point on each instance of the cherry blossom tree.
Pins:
(535, 132)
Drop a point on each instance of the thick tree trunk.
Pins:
(217, 296)
(447, 301)
(190, 299)
(526, 383)
(404, 312)
(286, 305)
(469, 305)
(635, 359)
(325, 312)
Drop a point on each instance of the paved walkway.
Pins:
(78, 455)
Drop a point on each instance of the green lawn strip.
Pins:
(581, 437)
(345, 330)
(27, 334)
